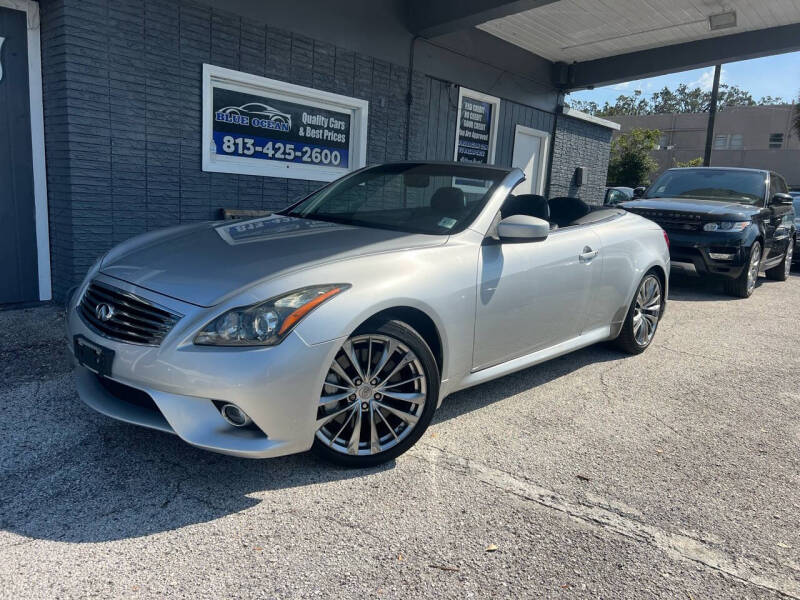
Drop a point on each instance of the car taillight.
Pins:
(666, 237)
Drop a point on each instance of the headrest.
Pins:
(566, 209)
(448, 201)
(532, 205)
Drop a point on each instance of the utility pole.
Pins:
(712, 113)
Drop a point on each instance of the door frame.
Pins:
(31, 10)
(544, 151)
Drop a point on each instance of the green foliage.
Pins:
(682, 99)
(630, 163)
(796, 117)
(695, 162)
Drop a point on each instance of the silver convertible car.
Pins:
(342, 322)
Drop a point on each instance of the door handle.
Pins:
(588, 254)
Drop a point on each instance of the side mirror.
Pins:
(781, 199)
(522, 228)
(638, 192)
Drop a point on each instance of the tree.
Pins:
(694, 162)
(682, 99)
(630, 163)
(796, 117)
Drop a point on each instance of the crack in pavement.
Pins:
(603, 516)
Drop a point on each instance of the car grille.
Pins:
(130, 319)
(673, 221)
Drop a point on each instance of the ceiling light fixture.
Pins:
(722, 20)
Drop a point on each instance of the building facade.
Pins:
(113, 91)
(760, 137)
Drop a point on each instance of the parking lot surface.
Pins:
(674, 474)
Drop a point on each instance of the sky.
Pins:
(777, 75)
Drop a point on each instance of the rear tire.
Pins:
(643, 316)
(745, 283)
(782, 270)
(381, 401)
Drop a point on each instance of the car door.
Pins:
(533, 295)
(779, 223)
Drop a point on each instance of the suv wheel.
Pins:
(781, 271)
(743, 286)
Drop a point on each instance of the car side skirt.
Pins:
(534, 358)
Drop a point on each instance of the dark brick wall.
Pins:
(116, 72)
(580, 143)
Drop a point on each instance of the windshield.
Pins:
(710, 184)
(414, 197)
(796, 202)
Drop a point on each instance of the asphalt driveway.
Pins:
(673, 474)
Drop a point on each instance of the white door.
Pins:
(530, 152)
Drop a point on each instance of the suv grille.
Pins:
(673, 221)
(128, 318)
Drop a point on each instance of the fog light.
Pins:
(721, 256)
(235, 416)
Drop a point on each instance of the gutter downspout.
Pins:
(409, 95)
(556, 115)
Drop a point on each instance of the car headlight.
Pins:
(726, 226)
(266, 323)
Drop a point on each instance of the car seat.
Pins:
(566, 209)
(448, 201)
(532, 205)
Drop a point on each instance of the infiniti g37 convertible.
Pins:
(342, 322)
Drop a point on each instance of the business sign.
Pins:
(476, 134)
(258, 126)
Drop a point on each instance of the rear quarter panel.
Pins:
(631, 246)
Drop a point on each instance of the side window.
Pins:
(782, 187)
(615, 197)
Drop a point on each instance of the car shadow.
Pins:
(698, 289)
(76, 476)
(480, 396)
(704, 289)
(98, 480)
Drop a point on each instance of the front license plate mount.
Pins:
(94, 357)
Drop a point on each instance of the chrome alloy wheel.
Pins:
(788, 260)
(373, 396)
(647, 310)
(753, 268)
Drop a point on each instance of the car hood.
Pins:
(202, 264)
(709, 208)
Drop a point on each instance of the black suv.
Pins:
(723, 222)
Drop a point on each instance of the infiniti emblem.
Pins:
(104, 311)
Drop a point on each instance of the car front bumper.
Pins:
(692, 253)
(278, 387)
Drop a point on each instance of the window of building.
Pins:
(721, 141)
(776, 140)
(736, 141)
(663, 142)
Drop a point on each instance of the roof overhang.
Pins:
(592, 43)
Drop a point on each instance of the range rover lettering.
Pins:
(727, 223)
(342, 322)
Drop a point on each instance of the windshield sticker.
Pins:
(447, 222)
(274, 226)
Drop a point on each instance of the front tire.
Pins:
(378, 397)
(643, 316)
(782, 270)
(745, 283)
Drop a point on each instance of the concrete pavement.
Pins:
(674, 474)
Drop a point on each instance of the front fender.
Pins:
(439, 282)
